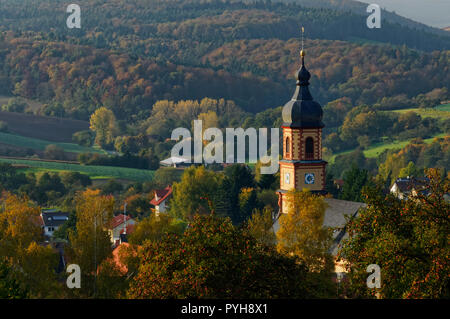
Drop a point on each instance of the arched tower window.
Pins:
(309, 148)
(288, 145)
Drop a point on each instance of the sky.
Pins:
(435, 13)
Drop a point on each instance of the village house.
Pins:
(405, 187)
(119, 227)
(52, 220)
(160, 201)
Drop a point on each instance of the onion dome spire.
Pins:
(302, 110)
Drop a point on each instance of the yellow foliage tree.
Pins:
(152, 228)
(301, 230)
(20, 232)
(103, 123)
(38, 265)
(260, 226)
(19, 224)
(91, 244)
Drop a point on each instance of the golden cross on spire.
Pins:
(302, 52)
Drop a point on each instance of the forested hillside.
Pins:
(127, 56)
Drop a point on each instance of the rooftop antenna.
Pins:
(125, 218)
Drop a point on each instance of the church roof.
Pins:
(302, 111)
(335, 218)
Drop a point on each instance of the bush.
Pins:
(15, 105)
(54, 152)
(83, 138)
(111, 187)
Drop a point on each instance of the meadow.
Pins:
(440, 112)
(38, 144)
(95, 172)
(376, 149)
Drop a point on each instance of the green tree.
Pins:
(247, 203)
(354, 180)
(10, 287)
(167, 176)
(54, 152)
(407, 239)
(83, 138)
(15, 105)
(410, 170)
(239, 176)
(195, 192)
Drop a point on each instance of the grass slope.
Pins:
(441, 112)
(38, 144)
(93, 171)
(377, 149)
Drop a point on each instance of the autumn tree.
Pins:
(32, 267)
(408, 239)
(19, 224)
(90, 244)
(260, 226)
(302, 232)
(103, 123)
(153, 228)
(214, 259)
(38, 270)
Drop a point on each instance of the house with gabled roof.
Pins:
(160, 201)
(405, 187)
(120, 226)
(52, 220)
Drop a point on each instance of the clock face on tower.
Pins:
(287, 178)
(309, 178)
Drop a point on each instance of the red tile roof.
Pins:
(118, 220)
(161, 195)
(130, 229)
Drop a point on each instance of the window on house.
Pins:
(309, 148)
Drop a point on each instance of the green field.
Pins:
(95, 172)
(377, 149)
(37, 144)
(444, 107)
(441, 111)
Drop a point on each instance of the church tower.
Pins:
(302, 165)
